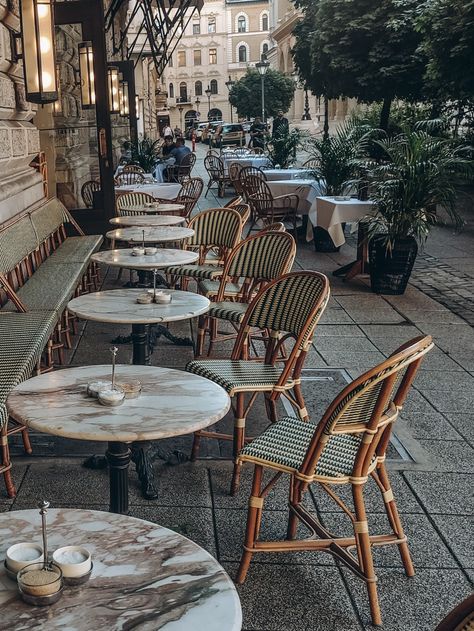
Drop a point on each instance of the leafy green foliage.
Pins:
(283, 147)
(246, 94)
(416, 173)
(146, 153)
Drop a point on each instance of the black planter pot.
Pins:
(390, 269)
(323, 241)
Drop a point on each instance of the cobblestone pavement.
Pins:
(431, 462)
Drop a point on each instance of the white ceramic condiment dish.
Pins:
(74, 561)
(138, 251)
(20, 555)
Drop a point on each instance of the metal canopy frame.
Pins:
(161, 22)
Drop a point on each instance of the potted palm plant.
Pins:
(283, 147)
(415, 175)
(145, 153)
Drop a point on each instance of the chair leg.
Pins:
(271, 409)
(212, 334)
(394, 519)
(364, 552)
(239, 439)
(293, 500)
(26, 441)
(6, 465)
(202, 327)
(253, 524)
(300, 401)
(195, 447)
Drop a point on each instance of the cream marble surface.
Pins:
(147, 220)
(145, 577)
(120, 306)
(165, 190)
(152, 235)
(163, 258)
(156, 208)
(172, 403)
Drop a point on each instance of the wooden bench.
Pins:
(41, 269)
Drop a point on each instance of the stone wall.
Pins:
(20, 185)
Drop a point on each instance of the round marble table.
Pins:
(163, 258)
(152, 221)
(166, 234)
(145, 577)
(172, 403)
(156, 208)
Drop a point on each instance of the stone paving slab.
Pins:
(443, 493)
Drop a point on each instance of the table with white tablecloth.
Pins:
(330, 214)
(260, 162)
(307, 191)
(273, 175)
(165, 190)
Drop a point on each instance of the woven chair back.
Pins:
(125, 202)
(133, 168)
(259, 196)
(17, 241)
(216, 228)
(252, 171)
(366, 409)
(244, 212)
(277, 226)
(189, 194)
(214, 166)
(129, 178)
(235, 169)
(87, 190)
(234, 202)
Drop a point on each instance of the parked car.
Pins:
(229, 134)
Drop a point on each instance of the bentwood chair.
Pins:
(125, 202)
(87, 192)
(217, 229)
(189, 194)
(251, 170)
(267, 208)
(251, 265)
(234, 176)
(179, 172)
(235, 201)
(129, 178)
(215, 169)
(461, 618)
(213, 257)
(347, 446)
(289, 308)
(133, 168)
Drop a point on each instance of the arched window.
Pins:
(241, 24)
(265, 22)
(171, 91)
(214, 87)
(243, 53)
(198, 88)
(264, 48)
(183, 91)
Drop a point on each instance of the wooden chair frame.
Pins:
(215, 169)
(266, 207)
(385, 387)
(129, 178)
(87, 190)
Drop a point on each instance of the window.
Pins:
(183, 92)
(242, 53)
(214, 87)
(197, 57)
(196, 28)
(181, 58)
(211, 25)
(264, 22)
(198, 88)
(241, 24)
(212, 56)
(265, 48)
(171, 91)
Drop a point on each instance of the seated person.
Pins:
(167, 147)
(179, 151)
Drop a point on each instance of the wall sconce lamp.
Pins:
(86, 71)
(113, 83)
(124, 103)
(137, 107)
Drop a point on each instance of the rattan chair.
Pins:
(289, 308)
(125, 203)
(234, 201)
(234, 170)
(461, 618)
(181, 171)
(215, 169)
(267, 208)
(128, 178)
(251, 265)
(347, 446)
(213, 257)
(87, 192)
(250, 170)
(215, 228)
(133, 168)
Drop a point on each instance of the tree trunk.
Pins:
(326, 118)
(385, 113)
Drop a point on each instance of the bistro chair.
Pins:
(234, 201)
(128, 178)
(346, 447)
(289, 308)
(133, 168)
(234, 170)
(267, 208)
(461, 618)
(189, 194)
(87, 192)
(181, 171)
(125, 202)
(251, 170)
(217, 229)
(215, 169)
(251, 265)
(213, 257)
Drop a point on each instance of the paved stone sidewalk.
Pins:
(431, 461)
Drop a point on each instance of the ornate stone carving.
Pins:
(7, 93)
(33, 141)
(19, 142)
(20, 95)
(5, 146)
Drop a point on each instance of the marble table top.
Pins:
(120, 306)
(165, 190)
(172, 403)
(152, 235)
(156, 208)
(145, 577)
(163, 258)
(147, 220)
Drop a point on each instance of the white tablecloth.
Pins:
(247, 161)
(330, 214)
(166, 190)
(307, 191)
(274, 175)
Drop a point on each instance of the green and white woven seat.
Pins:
(238, 375)
(76, 250)
(227, 310)
(199, 272)
(210, 288)
(285, 444)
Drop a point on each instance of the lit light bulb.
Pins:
(42, 10)
(47, 80)
(45, 44)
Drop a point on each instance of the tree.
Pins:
(246, 94)
(367, 49)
